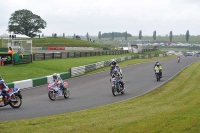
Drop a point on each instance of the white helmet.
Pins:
(55, 76)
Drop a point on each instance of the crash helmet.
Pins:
(55, 76)
(117, 66)
(157, 64)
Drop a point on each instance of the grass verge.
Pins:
(173, 108)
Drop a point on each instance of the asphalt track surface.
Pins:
(93, 90)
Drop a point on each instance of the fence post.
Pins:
(52, 55)
(60, 54)
(44, 56)
(33, 56)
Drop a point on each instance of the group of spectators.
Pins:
(10, 51)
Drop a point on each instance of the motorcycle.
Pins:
(157, 72)
(117, 87)
(16, 98)
(178, 59)
(56, 91)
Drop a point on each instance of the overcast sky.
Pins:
(82, 16)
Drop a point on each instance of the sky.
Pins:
(82, 16)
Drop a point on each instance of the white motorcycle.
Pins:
(56, 91)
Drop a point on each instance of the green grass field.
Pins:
(65, 42)
(172, 108)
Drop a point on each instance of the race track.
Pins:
(93, 90)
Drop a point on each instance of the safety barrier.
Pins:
(36, 81)
(76, 71)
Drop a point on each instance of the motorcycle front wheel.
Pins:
(158, 77)
(114, 91)
(52, 96)
(66, 93)
(17, 103)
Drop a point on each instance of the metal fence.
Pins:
(44, 56)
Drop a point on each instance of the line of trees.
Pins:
(25, 22)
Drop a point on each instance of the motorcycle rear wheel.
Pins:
(52, 96)
(17, 103)
(123, 91)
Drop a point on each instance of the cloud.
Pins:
(82, 16)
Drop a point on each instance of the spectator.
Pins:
(10, 51)
(19, 51)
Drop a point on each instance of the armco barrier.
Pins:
(39, 81)
(76, 71)
(36, 81)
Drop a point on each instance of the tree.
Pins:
(140, 35)
(25, 22)
(112, 35)
(87, 36)
(154, 35)
(99, 35)
(170, 36)
(116, 34)
(126, 35)
(187, 35)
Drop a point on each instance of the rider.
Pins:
(119, 70)
(178, 57)
(112, 65)
(156, 64)
(117, 75)
(58, 80)
(4, 88)
(160, 69)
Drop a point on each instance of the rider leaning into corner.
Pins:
(160, 68)
(116, 74)
(4, 88)
(58, 80)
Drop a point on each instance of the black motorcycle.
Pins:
(117, 86)
(158, 75)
